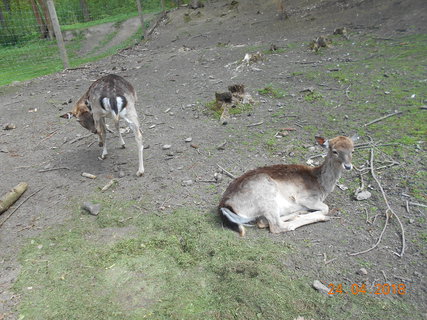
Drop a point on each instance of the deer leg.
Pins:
(320, 214)
(100, 128)
(117, 124)
(275, 222)
(132, 121)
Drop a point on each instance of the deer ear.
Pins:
(354, 137)
(67, 115)
(322, 141)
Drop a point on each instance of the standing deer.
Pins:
(109, 96)
(286, 197)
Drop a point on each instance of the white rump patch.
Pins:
(106, 104)
(120, 103)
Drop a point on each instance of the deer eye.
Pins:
(334, 151)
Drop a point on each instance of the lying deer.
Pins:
(109, 96)
(286, 197)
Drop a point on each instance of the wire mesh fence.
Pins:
(91, 29)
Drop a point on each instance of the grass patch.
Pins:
(84, 25)
(217, 109)
(272, 91)
(41, 57)
(171, 266)
(313, 96)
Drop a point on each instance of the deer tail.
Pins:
(232, 217)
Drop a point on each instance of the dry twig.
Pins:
(389, 212)
(382, 118)
(255, 124)
(80, 138)
(52, 169)
(232, 176)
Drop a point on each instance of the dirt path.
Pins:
(189, 58)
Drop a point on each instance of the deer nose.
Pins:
(348, 166)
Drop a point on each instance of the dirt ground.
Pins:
(188, 59)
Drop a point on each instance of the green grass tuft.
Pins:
(181, 265)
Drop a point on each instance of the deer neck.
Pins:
(328, 174)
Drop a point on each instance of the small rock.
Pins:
(362, 271)
(121, 174)
(222, 146)
(363, 195)
(189, 139)
(218, 177)
(320, 287)
(93, 209)
(166, 146)
(187, 182)
(9, 126)
(342, 187)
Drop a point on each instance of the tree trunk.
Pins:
(141, 17)
(57, 29)
(85, 10)
(47, 18)
(2, 20)
(40, 22)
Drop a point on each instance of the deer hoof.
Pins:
(139, 173)
(100, 144)
(123, 146)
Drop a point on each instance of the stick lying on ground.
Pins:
(10, 198)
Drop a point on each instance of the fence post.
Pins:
(58, 34)
(141, 17)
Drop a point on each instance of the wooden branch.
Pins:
(53, 169)
(10, 214)
(382, 118)
(417, 204)
(12, 196)
(80, 138)
(232, 176)
(366, 146)
(389, 213)
(255, 124)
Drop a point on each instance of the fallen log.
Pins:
(10, 198)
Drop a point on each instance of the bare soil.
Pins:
(188, 59)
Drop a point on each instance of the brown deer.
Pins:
(286, 197)
(109, 96)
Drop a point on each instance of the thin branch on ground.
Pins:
(382, 118)
(389, 212)
(232, 176)
(13, 211)
(255, 124)
(368, 145)
(80, 138)
(417, 204)
(52, 169)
